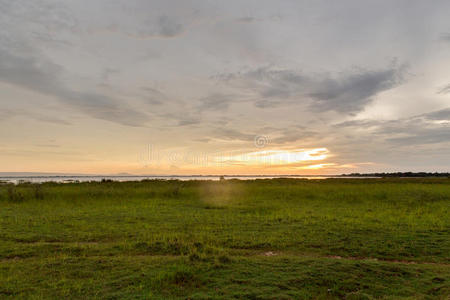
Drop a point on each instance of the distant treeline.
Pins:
(400, 174)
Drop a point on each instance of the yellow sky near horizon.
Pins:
(151, 162)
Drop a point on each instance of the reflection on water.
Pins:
(62, 179)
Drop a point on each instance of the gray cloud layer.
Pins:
(45, 77)
(288, 70)
(346, 92)
(428, 128)
(22, 64)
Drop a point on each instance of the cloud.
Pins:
(154, 96)
(25, 69)
(168, 27)
(428, 128)
(246, 20)
(272, 136)
(47, 146)
(445, 37)
(444, 90)
(443, 114)
(419, 136)
(162, 26)
(108, 72)
(346, 92)
(187, 121)
(358, 123)
(51, 15)
(352, 92)
(215, 102)
(49, 119)
(291, 135)
(10, 113)
(232, 135)
(23, 64)
(181, 118)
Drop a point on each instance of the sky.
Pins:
(224, 87)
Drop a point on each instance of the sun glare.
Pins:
(318, 166)
(276, 157)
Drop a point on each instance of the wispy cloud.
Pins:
(9, 113)
(154, 96)
(216, 102)
(232, 135)
(444, 90)
(428, 128)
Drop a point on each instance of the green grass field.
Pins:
(261, 239)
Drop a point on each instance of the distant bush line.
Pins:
(400, 174)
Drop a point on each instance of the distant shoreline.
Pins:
(99, 178)
(399, 174)
(125, 175)
(124, 178)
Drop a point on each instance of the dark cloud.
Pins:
(246, 20)
(291, 135)
(162, 26)
(232, 134)
(419, 136)
(49, 15)
(49, 119)
(50, 39)
(444, 90)
(215, 102)
(352, 92)
(443, 114)
(108, 72)
(188, 121)
(445, 37)
(428, 128)
(154, 96)
(358, 123)
(168, 27)
(179, 119)
(273, 136)
(346, 92)
(27, 70)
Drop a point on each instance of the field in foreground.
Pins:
(261, 239)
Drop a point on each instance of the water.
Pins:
(67, 179)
